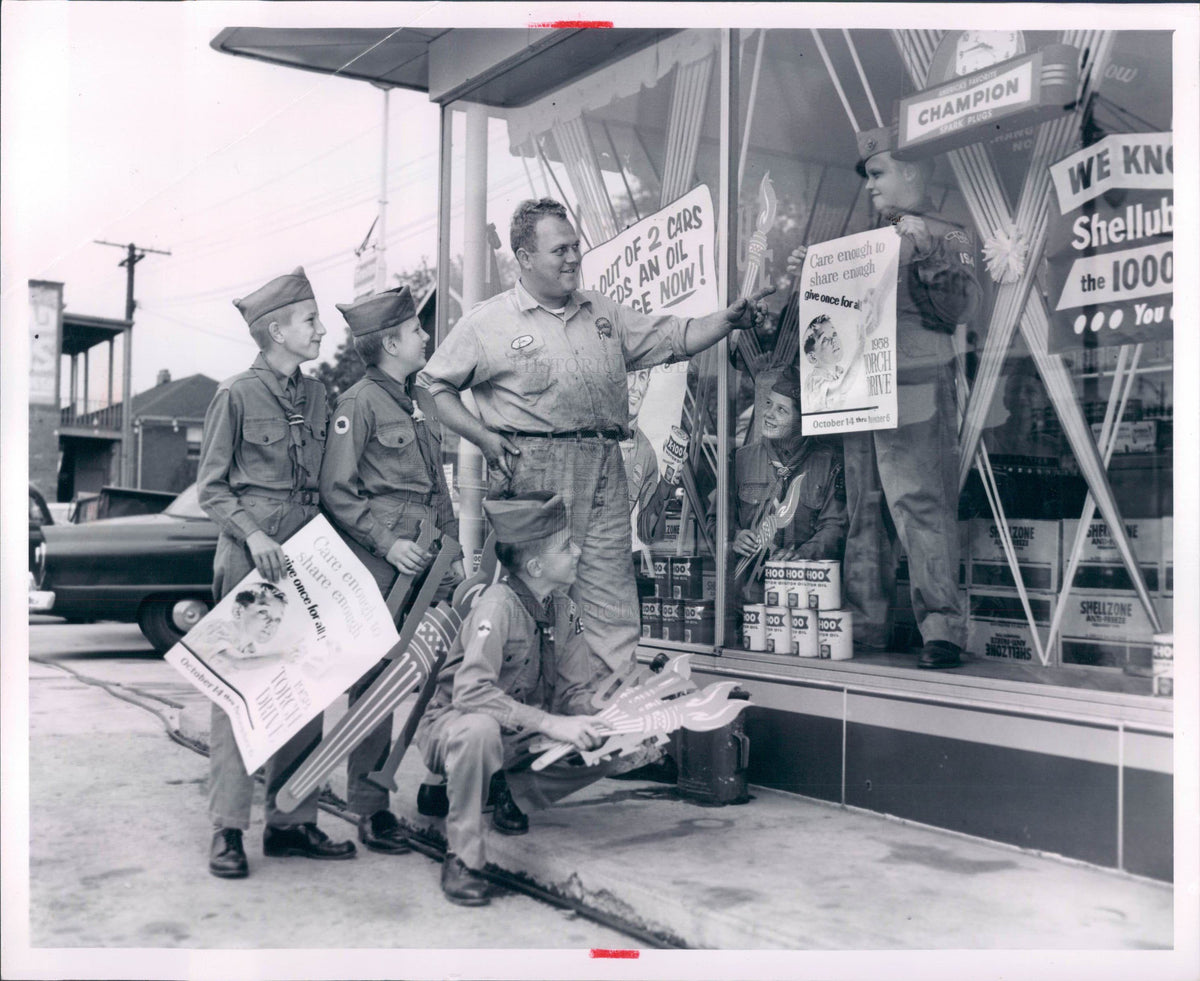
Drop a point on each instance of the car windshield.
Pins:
(186, 505)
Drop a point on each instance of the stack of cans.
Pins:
(682, 606)
(802, 610)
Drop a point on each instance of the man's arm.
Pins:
(703, 332)
(493, 445)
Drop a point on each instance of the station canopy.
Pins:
(402, 57)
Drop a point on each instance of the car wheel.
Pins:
(161, 619)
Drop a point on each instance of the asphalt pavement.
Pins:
(119, 836)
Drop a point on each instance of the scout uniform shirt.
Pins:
(382, 470)
(264, 435)
(512, 662)
(934, 293)
(761, 475)
(536, 371)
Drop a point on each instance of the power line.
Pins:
(155, 312)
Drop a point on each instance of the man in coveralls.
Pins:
(518, 667)
(264, 434)
(381, 479)
(903, 482)
(547, 363)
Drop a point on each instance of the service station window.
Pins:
(969, 367)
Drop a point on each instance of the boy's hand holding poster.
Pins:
(847, 317)
(274, 655)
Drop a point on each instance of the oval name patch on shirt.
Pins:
(523, 341)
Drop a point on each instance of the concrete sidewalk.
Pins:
(787, 872)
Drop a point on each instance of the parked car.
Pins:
(154, 570)
(39, 517)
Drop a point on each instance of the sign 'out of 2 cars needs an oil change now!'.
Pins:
(1110, 243)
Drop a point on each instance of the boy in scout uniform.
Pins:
(902, 483)
(766, 468)
(517, 668)
(381, 479)
(257, 479)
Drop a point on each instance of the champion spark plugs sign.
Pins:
(1111, 243)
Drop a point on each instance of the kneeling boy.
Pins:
(518, 668)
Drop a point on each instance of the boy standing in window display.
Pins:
(903, 482)
(264, 435)
(766, 469)
(381, 479)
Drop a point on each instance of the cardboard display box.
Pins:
(1038, 546)
(997, 629)
(1106, 628)
(1133, 437)
(1100, 565)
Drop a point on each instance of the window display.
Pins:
(994, 142)
(950, 445)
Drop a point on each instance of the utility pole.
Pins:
(133, 255)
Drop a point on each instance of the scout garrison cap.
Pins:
(527, 517)
(788, 384)
(379, 311)
(871, 142)
(280, 292)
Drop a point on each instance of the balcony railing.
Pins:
(94, 414)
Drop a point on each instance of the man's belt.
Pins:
(405, 497)
(613, 433)
(306, 497)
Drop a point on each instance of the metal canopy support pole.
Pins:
(475, 255)
(381, 270)
(726, 228)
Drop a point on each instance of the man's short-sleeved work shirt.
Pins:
(532, 370)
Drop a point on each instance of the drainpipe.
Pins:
(471, 483)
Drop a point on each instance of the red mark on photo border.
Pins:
(561, 24)
(631, 955)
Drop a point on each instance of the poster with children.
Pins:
(273, 655)
(847, 328)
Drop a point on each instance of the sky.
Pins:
(122, 124)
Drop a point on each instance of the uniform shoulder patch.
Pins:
(341, 425)
(484, 628)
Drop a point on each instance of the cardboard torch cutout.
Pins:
(639, 706)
